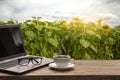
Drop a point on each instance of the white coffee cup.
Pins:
(62, 60)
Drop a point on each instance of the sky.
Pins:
(51, 10)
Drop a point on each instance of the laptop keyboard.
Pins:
(13, 63)
(9, 64)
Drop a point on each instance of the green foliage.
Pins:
(81, 40)
(116, 46)
(84, 43)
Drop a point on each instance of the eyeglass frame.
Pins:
(30, 60)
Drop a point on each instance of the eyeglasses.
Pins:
(27, 60)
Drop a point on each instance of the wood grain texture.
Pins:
(108, 69)
(85, 67)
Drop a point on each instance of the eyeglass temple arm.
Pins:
(36, 60)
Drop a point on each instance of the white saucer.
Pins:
(54, 66)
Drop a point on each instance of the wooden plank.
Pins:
(82, 67)
(83, 70)
(85, 67)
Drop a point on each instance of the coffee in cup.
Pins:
(62, 60)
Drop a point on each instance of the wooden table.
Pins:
(84, 70)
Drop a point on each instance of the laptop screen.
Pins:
(11, 43)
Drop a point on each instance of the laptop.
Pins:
(12, 49)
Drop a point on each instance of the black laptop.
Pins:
(13, 58)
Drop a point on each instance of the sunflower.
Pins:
(106, 27)
(63, 23)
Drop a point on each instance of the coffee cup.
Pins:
(61, 60)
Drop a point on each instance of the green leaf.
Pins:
(23, 26)
(37, 46)
(90, 32)
(93, 48)
(86, 56)
(31, 45)
(30, 34)
(99, 37)
(53, 42)
(84, 43)
(49, 33)
(39, 27)
(43, 52)
(55, 28)
(93, 33)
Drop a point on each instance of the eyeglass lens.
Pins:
(24, 61)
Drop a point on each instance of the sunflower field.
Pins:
(82, 40)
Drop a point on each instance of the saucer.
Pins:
(54, 66)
